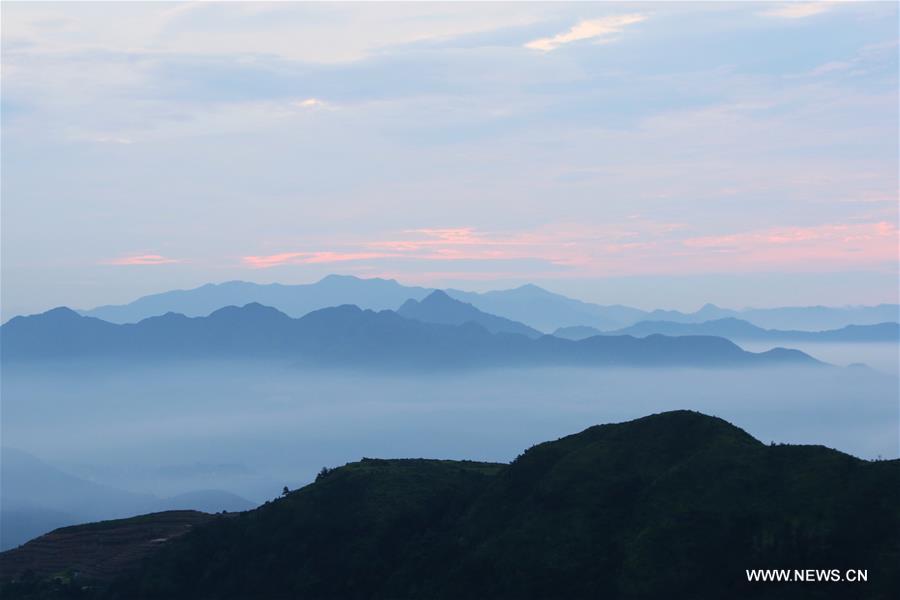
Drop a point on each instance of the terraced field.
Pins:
(99, 551)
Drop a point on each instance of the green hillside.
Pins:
(675, 505)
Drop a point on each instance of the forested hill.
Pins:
(674, 505)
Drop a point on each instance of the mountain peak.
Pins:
(530, 290)
(55, 316)
(342, 311)
(336, 277)
(671, 433)
(440, 307)
(440, 296)
(61, 312)
(251, 309)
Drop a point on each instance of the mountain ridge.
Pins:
(528, 304)
(440, 307)
(347, 336)
(675, 504)
(737, 329)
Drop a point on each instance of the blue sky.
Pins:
(654, 154)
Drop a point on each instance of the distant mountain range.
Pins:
(438, 307)
(529, 304)
(737, 329)
(347, 336)
(673, 505)
(543, 310)
(36, 497)
(293, 300)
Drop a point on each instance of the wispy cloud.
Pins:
(559, 246)
(821, 246)
(142, 259)
(865, 59)
(844, 233)
(310, 103)
(584, 30)
(359, 120)
(798, 10)
(308, 258)
(636, 246)
(109, 139)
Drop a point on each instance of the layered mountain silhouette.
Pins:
(789, 318)
(674, 505)
(737, 329)
(293, 300)
(438, 307)
(37, 497)
(527, 304)
(546, 310)
(577, 332)
(706, 312)
(347, 336)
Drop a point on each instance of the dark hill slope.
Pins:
(675, 505)
(98, 551)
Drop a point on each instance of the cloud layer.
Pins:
(798, 10)
(142, 260)
(639, 248)
(482, 144)
(597, 29)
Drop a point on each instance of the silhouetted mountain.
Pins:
(674, 505)
(547, 311)
(576, 332)
(36, 497)
(729, 327)
(529, 304)
(736, 329)
(438, 307)
(705, 313)
(293, 300)
(803, 318)
(818, 318)
(347, 336)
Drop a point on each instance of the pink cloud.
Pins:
(143, 259)
(444, 238)
(568, 246)
(636, 246)
(851, 243)
(444, 244)
(466, 243)
(288, 258)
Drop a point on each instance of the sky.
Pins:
(652, 154)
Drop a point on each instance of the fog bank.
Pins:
(252, 428)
